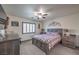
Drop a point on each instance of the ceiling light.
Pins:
(40, 14)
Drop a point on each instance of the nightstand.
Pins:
(69, 41)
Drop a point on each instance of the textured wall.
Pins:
(19, 28)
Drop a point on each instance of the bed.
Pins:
(47, 41)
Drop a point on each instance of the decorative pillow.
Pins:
(52, 33)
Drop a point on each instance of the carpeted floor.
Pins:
(27, 48)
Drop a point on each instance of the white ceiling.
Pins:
(53, 10)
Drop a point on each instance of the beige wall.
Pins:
(69, 22)
(19, 28)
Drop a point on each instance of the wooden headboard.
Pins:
(58, 30)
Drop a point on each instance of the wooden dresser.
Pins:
(10, 47)
(69, 41)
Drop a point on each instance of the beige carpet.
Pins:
(27, 48)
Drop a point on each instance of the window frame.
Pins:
(29, 29)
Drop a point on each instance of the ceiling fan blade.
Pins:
(43, 17)
(45, 14)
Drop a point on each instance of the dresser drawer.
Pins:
(68, 45)
(68, 39)
(67, 42)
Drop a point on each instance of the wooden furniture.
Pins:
(45, 46)
(10, 47)
(69, 41)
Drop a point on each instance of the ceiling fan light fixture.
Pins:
(40, 14)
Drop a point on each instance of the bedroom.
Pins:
(32, 21)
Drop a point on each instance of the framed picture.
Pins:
(54, 23)
(38, 26)
(14, 23)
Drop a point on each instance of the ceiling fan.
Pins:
(40, 14)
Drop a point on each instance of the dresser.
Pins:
(10, 46)
(69, 41)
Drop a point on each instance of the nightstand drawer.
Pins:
(68, 45)
(68, 39)
(67, 42)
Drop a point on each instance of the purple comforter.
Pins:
(47, 38)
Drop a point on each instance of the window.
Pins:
(28, 27)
